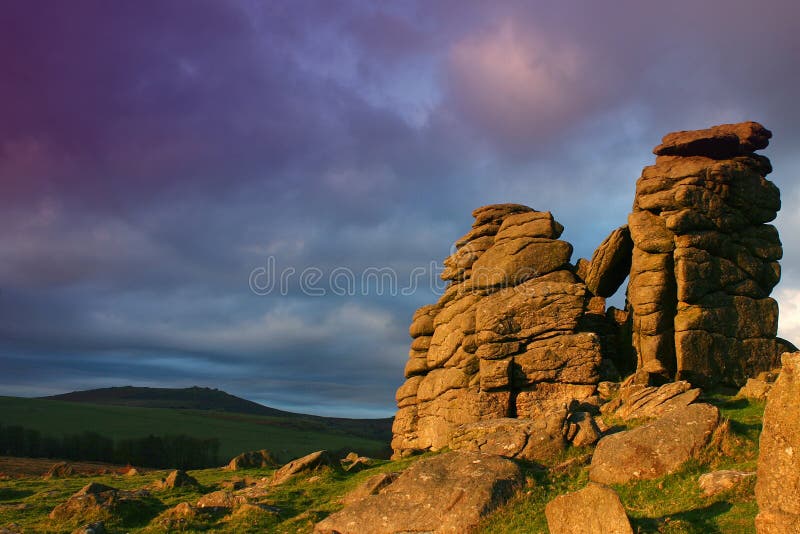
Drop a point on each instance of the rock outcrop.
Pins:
(508, 339)
(704, 258)
(449, 493)
(655, 448)
(778, 474)
(596, 509)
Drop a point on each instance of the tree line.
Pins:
(168, 451)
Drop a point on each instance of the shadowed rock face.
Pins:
(505, 340)
(704, 260)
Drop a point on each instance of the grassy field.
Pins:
(671, 504)
(285, 437)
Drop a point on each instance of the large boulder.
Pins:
(778, 474)
(449, 493)
(704, 258)
(596, 509)
(656, 448)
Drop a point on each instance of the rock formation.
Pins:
(704, 260)
(506, 340)
(778, 474)
(509, 359)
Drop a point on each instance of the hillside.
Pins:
(286, 436)
(193, 398)
(209, 399)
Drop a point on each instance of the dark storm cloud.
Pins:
(152, 154)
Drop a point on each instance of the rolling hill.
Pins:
(215, 400)
(239, 425)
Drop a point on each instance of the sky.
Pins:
(256, 196)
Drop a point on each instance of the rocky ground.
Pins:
(297, 499)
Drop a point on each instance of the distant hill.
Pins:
(194, 398)
(215, 400)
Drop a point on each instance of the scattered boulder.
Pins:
(252, 459)
(596, 509)
(306, 464)
(59, 470)
(235, 484)
(176, 479)
(96, 500)
(176, 518)
(450, 493)
(718, 481)
(656, 448)
(778, 474)
(372, 486)
(221, 500)
(357, 464)
(131, 472)
(704, 258)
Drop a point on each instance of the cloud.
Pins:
(152, 156)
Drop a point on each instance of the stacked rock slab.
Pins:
(505, 340)
(704, 259)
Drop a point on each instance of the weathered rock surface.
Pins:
(252, 459)
(610, 264)
(718, 481)
(372, 486)
(508, 339)
(448, 493)
(655, 448)
(596, 509)
(307, 463)
(778, 474)
(221, 500)
(704, 258)
(755, 389)
(635, 401)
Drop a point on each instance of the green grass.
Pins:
(671, 504)
(236, 432)
(301, 502)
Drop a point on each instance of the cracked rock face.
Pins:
(704, 258)
(506, 340)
